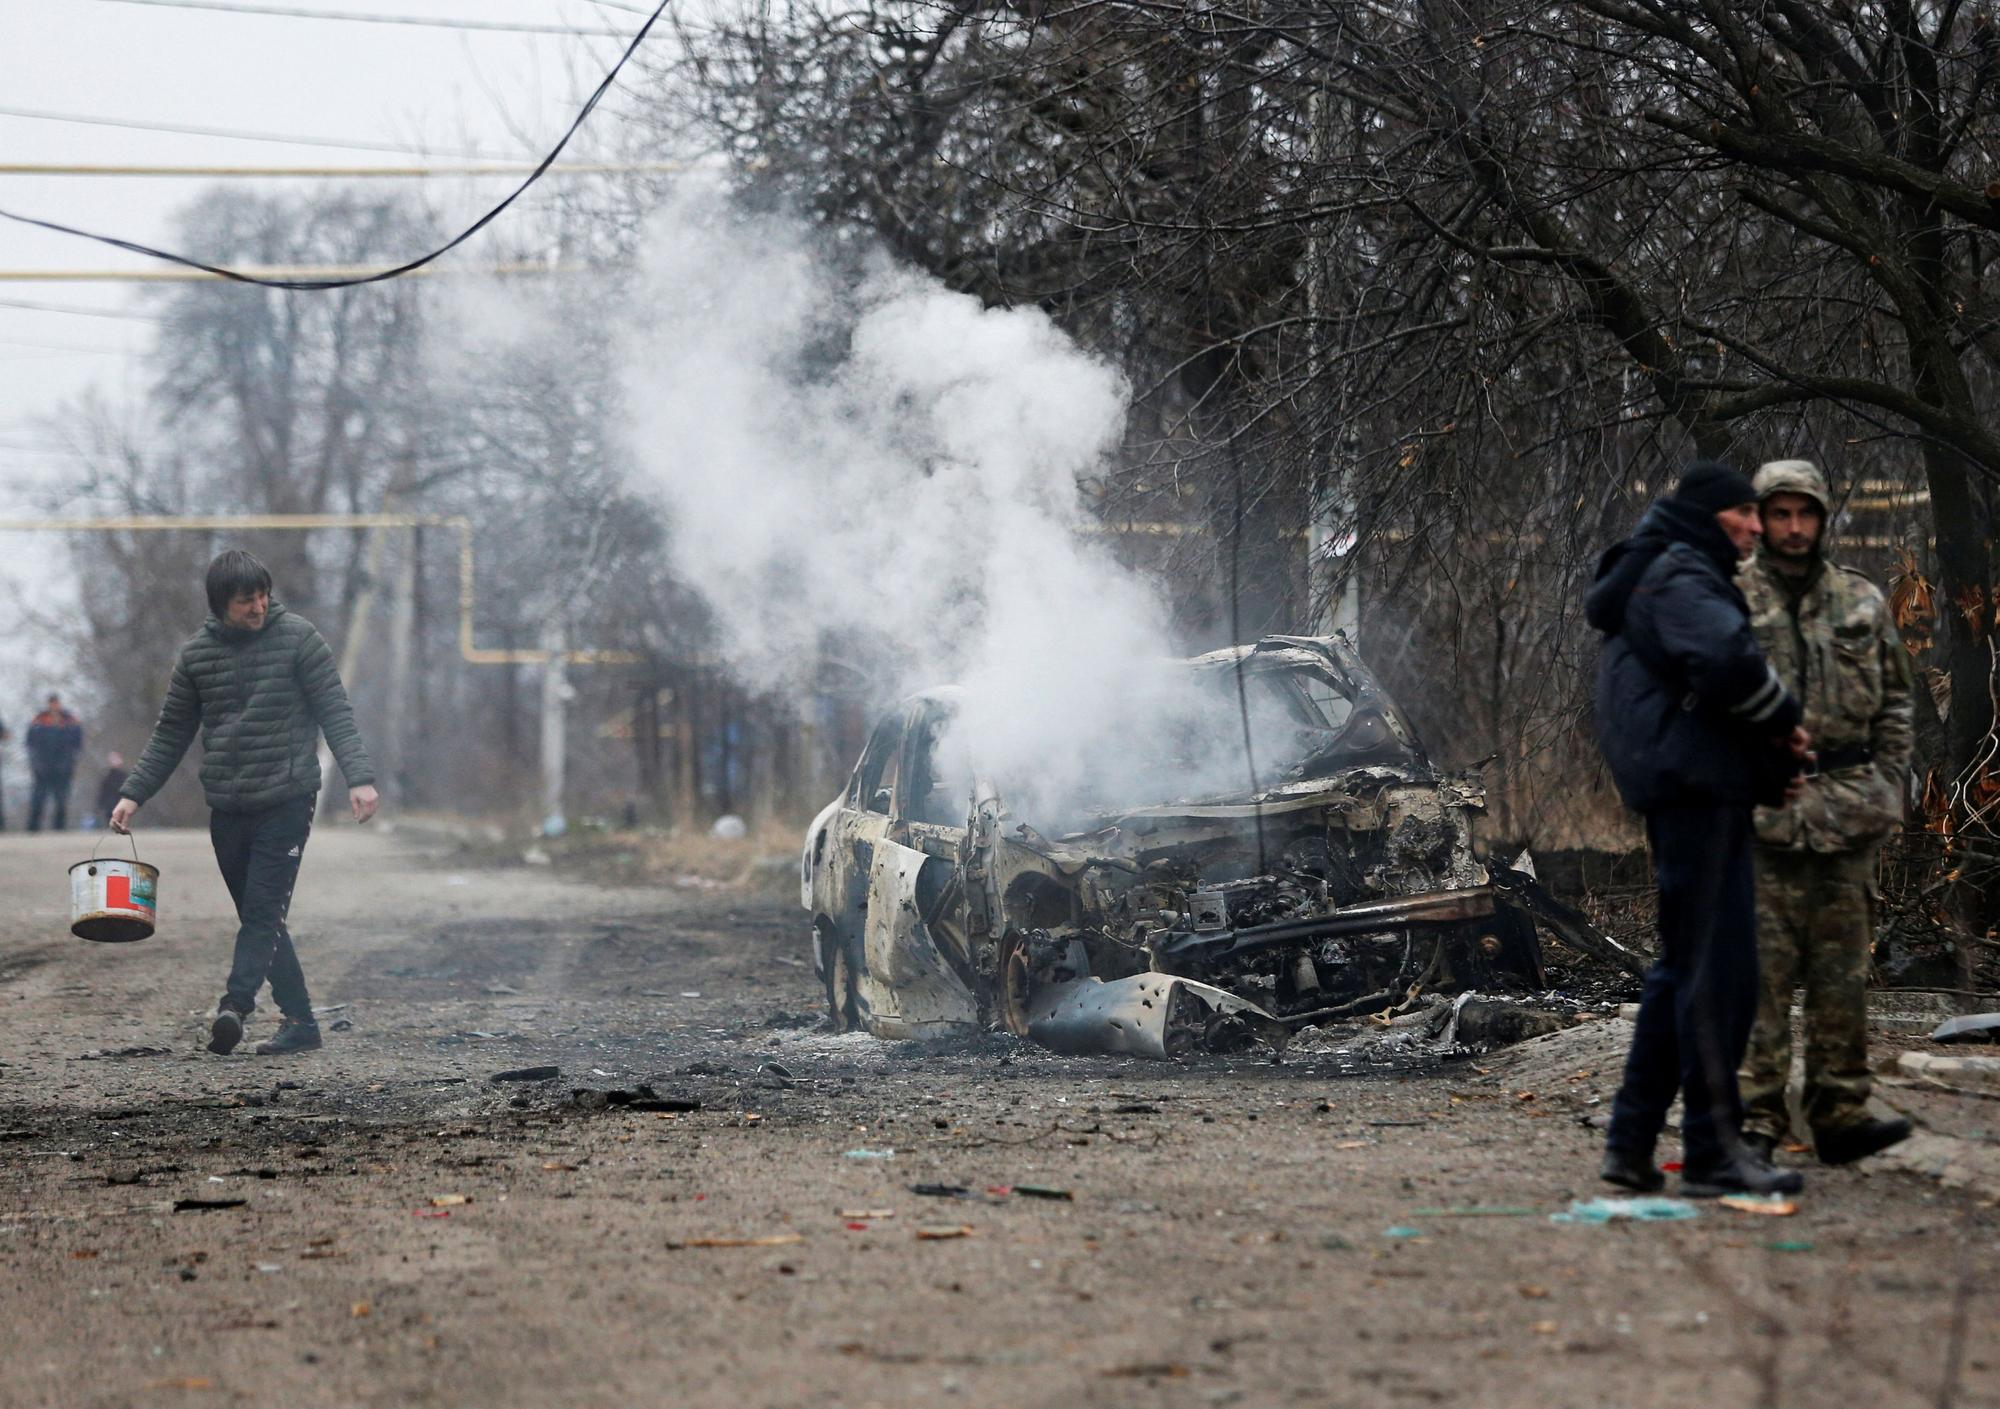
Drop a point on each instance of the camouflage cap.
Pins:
(1793, 477)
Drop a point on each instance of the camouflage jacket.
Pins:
(1840, 654)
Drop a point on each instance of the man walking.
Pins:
(1828, 631)
(261, 685)
(1696, 727)
(55, 738)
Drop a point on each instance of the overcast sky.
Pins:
(414, 88)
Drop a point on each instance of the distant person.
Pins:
(1828, 629)
(261, 685)
(107, 788)
(1696, 727)
(55, 738)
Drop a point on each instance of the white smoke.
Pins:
(878, 456)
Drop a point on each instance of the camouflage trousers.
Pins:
(1815, 924)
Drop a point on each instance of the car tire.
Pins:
(1012, 985)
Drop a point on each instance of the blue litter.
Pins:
(1402, 1232)
(870, 1154)
(1646, 1210)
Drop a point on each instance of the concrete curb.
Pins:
(1954, 1163)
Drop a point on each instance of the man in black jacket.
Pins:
(260, 685)
(1697, 728)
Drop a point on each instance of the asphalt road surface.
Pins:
(396, 1228)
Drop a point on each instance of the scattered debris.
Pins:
(1148, 1370)
(1402, 1231)
(1043, 1191)
(430, 1213)
(869, 1154)
(1480, 1023)
(111, 1054)
(527, 1074)
(774, 1240)
(206, 1205)
(1770, 1205)
(940, 1232)
(360, 1310)
(1970, 1027)
(450, 1200)
(1648, 1209)
(1790, 1245)
(867, 1213)
(937, 1191)
(639, 1098)
(342, 1025)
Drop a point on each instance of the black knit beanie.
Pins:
(1712, 486)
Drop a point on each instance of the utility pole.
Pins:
(556, 695)
(402, 634)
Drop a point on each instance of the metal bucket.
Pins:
(111, 900)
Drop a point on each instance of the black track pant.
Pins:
(1700, 999)
(259, 855)
(50, 790)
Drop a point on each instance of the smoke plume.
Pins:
(863, 453)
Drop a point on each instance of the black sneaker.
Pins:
(1629, 1171)
(225, 1032)
(1848, 1143)
(292, 1036)
(1746, 1174)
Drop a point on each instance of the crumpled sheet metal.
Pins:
(1147, 1015)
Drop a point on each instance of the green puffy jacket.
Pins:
(261, 700)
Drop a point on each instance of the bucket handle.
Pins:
(98, 845)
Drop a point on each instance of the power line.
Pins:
(425, 21)
(493, 168)
(239, 135)
(589, 106)
(276, 276)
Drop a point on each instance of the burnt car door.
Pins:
(906, 954)
(839, 863)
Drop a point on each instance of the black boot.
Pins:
(1743, 1174)
(225, 1032)
(1759, 1144)
(1630, 1171)
(1848, 1143)
(293, 1035)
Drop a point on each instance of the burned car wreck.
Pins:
(1203, 923)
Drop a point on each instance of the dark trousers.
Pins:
(259, 854)
(1700, 999)
(49, 788)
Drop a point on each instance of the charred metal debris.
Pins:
(1152, 930)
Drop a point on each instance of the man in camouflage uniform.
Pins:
(1827, 631)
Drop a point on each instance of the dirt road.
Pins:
(402, 1230)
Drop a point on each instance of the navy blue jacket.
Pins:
(1688, 709)
(54, 740)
